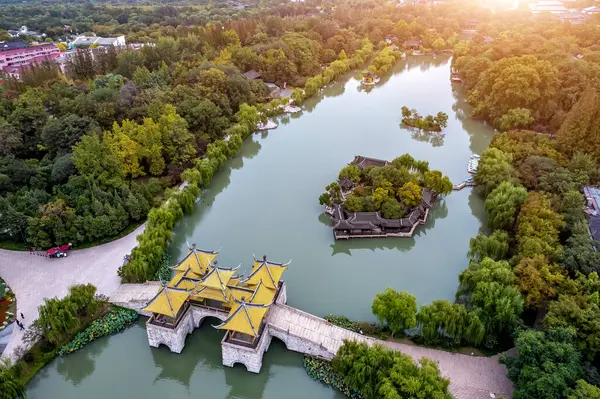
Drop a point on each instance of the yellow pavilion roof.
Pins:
(168, 301)
(210, 293)
(197, 260)
(217, 278)
(267, 272)
(245, 318)
(262, 295)
(239, 294)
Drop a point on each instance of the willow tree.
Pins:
(11, 386)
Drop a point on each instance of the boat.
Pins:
(370, 79)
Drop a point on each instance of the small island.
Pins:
(378, 198)
(411, 117)
(369, 79)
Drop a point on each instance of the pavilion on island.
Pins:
(369, 78)
(198, 283)
(347, 224)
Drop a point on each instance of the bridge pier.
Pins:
(248, 356)
(174, 338)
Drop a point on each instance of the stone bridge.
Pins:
(471, 377)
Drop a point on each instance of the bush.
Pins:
(344, 322)
(116, 320)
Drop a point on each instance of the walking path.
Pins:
(34, 278)
(471, 377)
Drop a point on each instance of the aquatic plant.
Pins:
(321, 370)
(114, 321)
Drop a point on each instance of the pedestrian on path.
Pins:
(20, 325)
(23, 317)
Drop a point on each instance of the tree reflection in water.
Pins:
(76, 366)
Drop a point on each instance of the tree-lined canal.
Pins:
(265, 202)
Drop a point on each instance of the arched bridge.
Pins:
(471, 377)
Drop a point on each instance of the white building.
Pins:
(551, 6)
(87, 41)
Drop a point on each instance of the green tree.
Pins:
(547, 365)
(494, 246)
(351, 172)
(516, 118)
(538, 228)
(538, 280)
(583, 390)
(410, 194)
(443, 322)
(11, 386)
(434, 180)
(391, 209)
(93, 158)
(486, 271)
(503, 205)
(353, 203)
(396, 309)
(498, 306)
(494, 168)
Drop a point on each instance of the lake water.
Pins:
(265, 202)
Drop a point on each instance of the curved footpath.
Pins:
(34, 277)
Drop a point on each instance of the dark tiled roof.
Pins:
(252, 74)
(346, 184)
(365, 162)
(4, 46)
(594, 224)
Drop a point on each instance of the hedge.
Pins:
(321, 370)
(114, 321)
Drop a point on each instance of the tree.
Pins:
(93, 158)
(10, 138)
(577, 130)
(494, 246)
(410, 194)
(11, 386)
(534, 168)
(583, 390)
(538, 280)
(516, 118)
(494, 168)
(351, 172)
(499, 306)
(538, 227)
(378, 372)
(443, 322)
(486, 271)
(547, 365)
(332, 195)
(390, 209)
(395, 309)
(434, 180)
(503, 205)
(579, 254)
(514, 82)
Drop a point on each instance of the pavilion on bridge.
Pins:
(200, 288)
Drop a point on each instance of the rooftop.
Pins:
(252, 74)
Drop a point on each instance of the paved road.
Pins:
(34, 278)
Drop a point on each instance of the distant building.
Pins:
(472, 23)
(252, 74)
(592, 198)
(591, 10)
(24, 31)
(573, 17)
(88, 41)
(5, 46)
(551, 6)
(12, 61)
(412, 44)
(389, 39)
